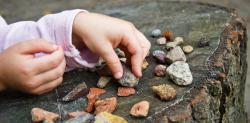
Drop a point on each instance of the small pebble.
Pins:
(160, 70)
(188, 49)
(156, 33)
(105, 117)
(39, 115)
(140, 109)
(125, 91)
(171, 45)
(76, 114)
(119, 52)
(179, 40)
(123, 60)
(168, 35)
(160, 56)
(103, 81)
(161, 41)
(105, 105)
(165, 92)
(175, 54)
(145, 64)
(180, 73)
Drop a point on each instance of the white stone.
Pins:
(175, 54)
(188, 49)
(179, 40)
(156, 33)
(161, 41)
(171, 45)
(180, 73)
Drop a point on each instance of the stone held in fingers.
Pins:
(187, 49)
(140, 109)
(39, 115)
(79, 91)
(125, 91)
(161, 41)
(105, 105)
(160, 70)
(103, 81)
(156, 33)
(105, 117)
(128, 79)
(180, 73)
(160, 56)
(175, 54)
(165, 92)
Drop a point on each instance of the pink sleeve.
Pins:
(55, 28)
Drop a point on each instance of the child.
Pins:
(34, 55)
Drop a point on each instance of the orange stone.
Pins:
(105, 105)
(96, 91)
(39, 115)
(92, 97)
(140, 109)
(125, 91)
(168, 35)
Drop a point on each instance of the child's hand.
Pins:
(101, 34)
(21, 70)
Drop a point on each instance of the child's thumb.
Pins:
(37, 46)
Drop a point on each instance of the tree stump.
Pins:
(219, 70)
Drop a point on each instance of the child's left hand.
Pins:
(101, 34)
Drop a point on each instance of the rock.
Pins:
(165, 92)
(125, 91)
(103, 81)
(161, 41)
(92, 96)
(188, 49)
(140, 109)
(156, 33)
(79, 91)
(105, 105)
(76, 114)
(39, 115)
(203, 42)
(180, 73)
(160, 70)
(168, 35)
(105, 117)
(179, 40)
(85, 118)
(123, 60)
(171, 45)
(128, 79)
(119, 52)
(160, 56)
(144, 64)
(175, 54)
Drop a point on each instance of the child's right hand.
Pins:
(21, 70)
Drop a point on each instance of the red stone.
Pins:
(92, 97)
(125, 91)
(105, 105)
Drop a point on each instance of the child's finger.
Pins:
(50, 75)
(108, 54)
(49, 61)
(47, 87)
(145, 44)
(131, 43)
(36, 46)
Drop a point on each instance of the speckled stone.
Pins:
(187, 49)
(175, 54)
(140, 109)
(161, 41)
(160, 56)
(103, 81)
(128, 79)
(156, 33)
(105, 117)
(160, 70)
(180, 73)
(165, 92)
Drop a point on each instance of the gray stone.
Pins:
(128, 79)
(103, 81)
(175, 54)
(180, 73)
(156, 33)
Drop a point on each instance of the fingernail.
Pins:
(55, 47)
(118, 75)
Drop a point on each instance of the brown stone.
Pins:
(92, 97)
(39, 115)
(79, 91)
(125, 91)
(168, 35)
(140, 109)
(160, 70)
(128, 78)
(165, 92)
(105, 105)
